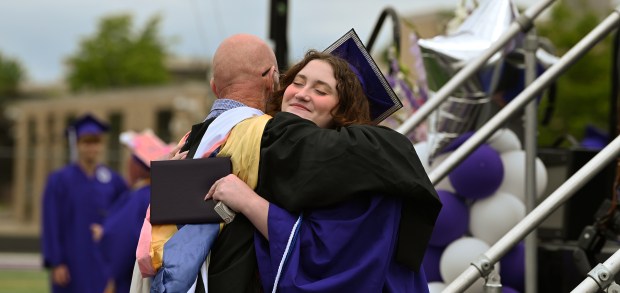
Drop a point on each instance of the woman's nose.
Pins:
(302, 94)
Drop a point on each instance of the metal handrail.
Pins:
(534, 218)
(601, 276)
(530, 145)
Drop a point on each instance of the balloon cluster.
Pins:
(483, 198)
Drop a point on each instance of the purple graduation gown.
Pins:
(349, 247)
(121, 231)
(72, 201)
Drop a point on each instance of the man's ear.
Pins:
(275, 81)
(213, 88)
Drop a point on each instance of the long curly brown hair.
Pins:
(352, 106)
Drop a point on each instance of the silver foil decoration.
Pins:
(445, 55)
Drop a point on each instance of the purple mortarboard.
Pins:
(84, 125)
(382, 100)
(88, 125)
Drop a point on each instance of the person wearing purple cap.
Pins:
(118, 236)
(340, 204)
(76, 197)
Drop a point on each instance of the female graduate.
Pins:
(368, 231)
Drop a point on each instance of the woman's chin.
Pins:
(298, 112)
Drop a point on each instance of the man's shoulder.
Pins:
(63, 171)
(254, 121)
(62, 176)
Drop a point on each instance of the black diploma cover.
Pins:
(178, 188)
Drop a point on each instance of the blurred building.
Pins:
(40, 140)
(39, 123)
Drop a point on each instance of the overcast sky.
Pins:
(42, 33)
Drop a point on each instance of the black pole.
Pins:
(614, 108)
(278, 31)
(614, 122)
(395, 28)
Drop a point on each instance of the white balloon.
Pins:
(436, 287)
(458, 256)
(421, 148)
(445, 183)
(504, 140)
(492, 217)
(514, 175)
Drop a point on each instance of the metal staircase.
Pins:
(602, 276)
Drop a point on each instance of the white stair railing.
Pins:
(561, 194)
(601, 277)
(533, 219)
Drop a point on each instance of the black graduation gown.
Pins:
(304, 167)
(233, 266)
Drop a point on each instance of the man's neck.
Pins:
(88, 167)
(252, 104)
(222, 105)
(250, 97)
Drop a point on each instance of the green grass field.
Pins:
(23, 281)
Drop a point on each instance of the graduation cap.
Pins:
(84, 125)
(145, 146)
(382, 100)
(87, 125)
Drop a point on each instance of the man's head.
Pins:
(86, 135)
(89, 148)
(245, 69)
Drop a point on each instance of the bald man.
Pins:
(245, 73)
(244, 70)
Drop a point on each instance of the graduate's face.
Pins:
(136, 171)
(312, 94)
(89, 147)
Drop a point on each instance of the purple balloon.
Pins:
(479, 175)
(594, 138)
(453, 219)
(430, 263)
(513, 267)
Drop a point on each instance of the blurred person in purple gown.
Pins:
(76, 197)
(119, 234)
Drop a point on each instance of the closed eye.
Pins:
(320, 92)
